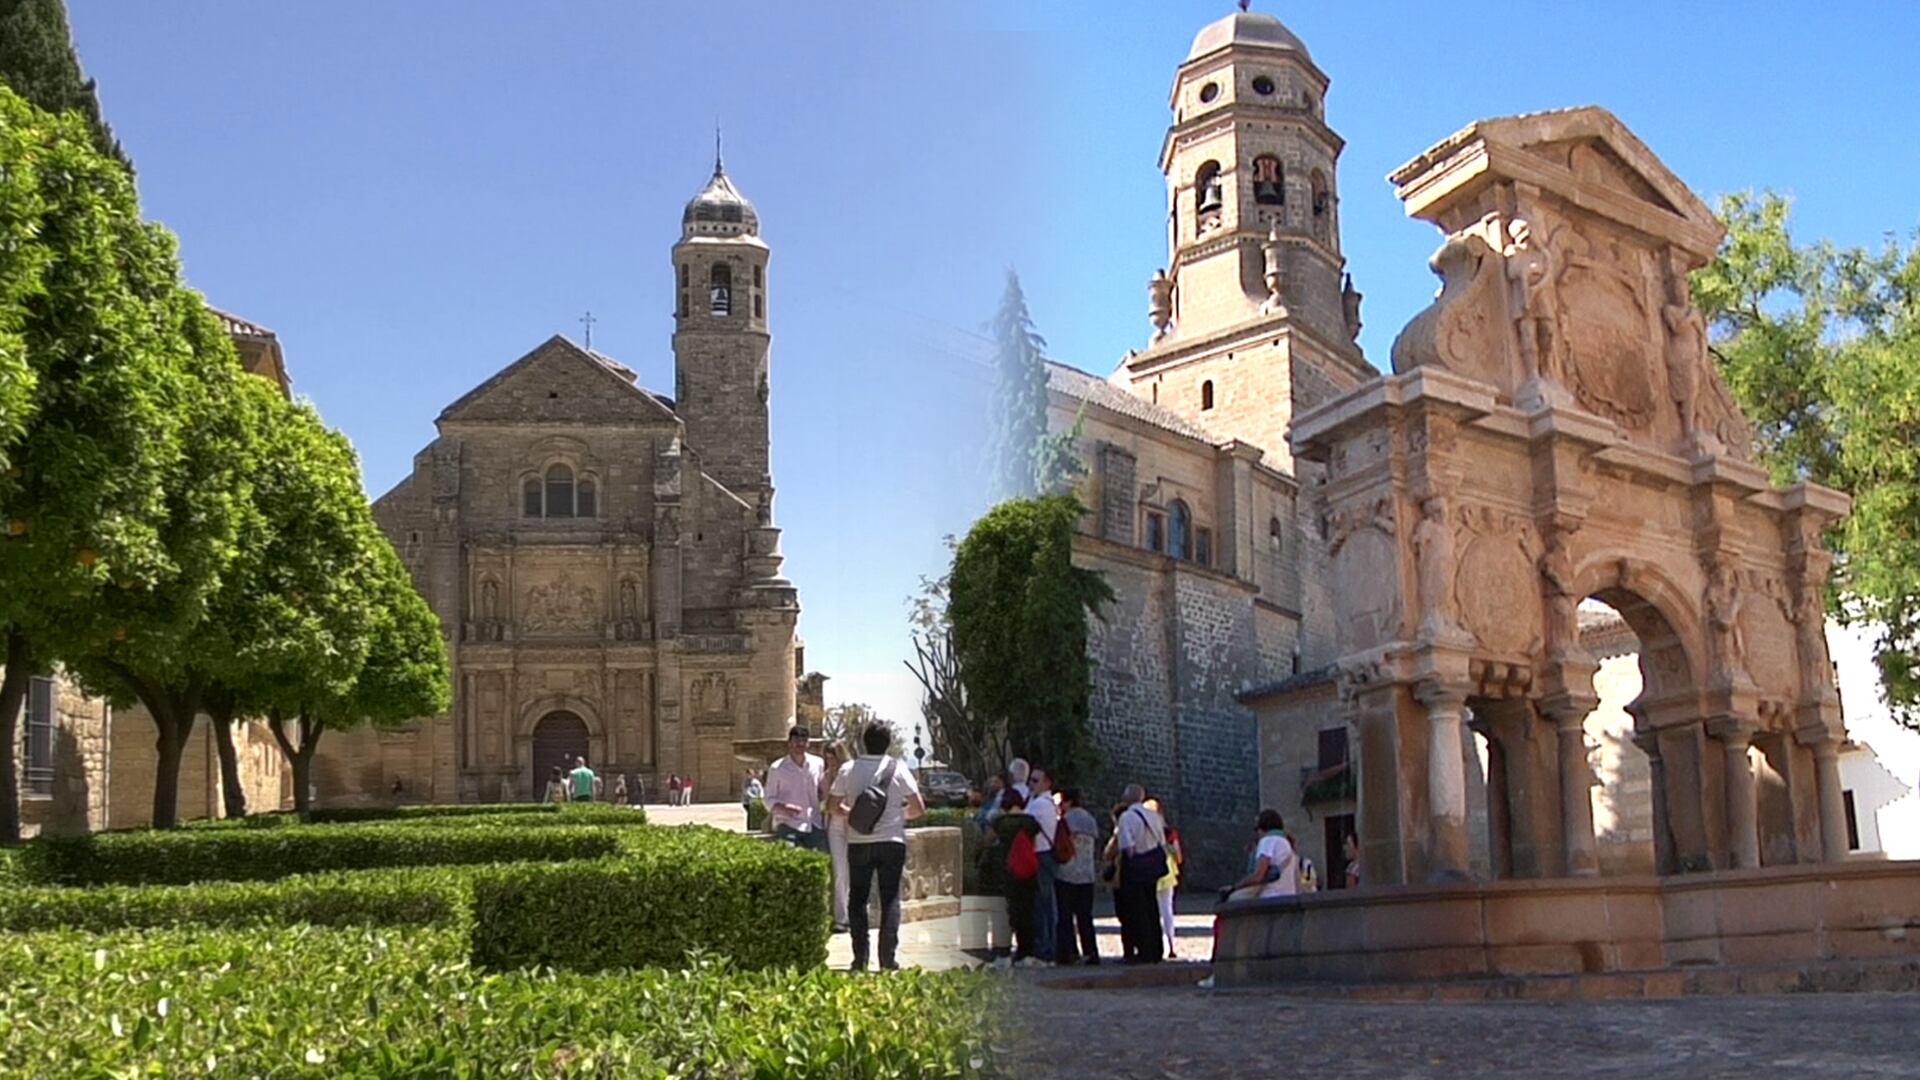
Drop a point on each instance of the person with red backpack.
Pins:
(1015, 830)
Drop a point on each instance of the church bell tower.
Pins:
(720, 339)
(1252, 315)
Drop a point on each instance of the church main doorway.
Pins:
(558, 738)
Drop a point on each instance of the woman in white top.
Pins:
(837, 762)
(1275, 870)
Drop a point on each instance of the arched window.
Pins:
(720, 289)
(1269, 181)
(1273, 532)
(530, 503)
(1206, 394)
(1206, 187)
(583, 493)
(1179, 530)
(759, 309)
(559, 491)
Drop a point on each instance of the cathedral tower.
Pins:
(720, 339)
(1252, 316)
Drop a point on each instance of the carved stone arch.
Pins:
(535, 708)
(1664, 614)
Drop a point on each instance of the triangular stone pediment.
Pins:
(1593, 161)
(1584, 156)
(558, 383)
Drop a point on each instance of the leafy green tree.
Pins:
(1821, 346)
(403, 677)
(295, 601)
(1019, 611)
(1019, 395)
(37, 60)
(174, 641)
(98, 354)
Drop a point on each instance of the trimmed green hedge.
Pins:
(311, 1003)
(410, 896)
(674, 892)
(519, 813)
(183, 856)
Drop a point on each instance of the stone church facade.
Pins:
(602, 557)
(1202, 522)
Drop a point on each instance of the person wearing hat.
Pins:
(793, 793)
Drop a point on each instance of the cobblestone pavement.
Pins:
(1195, 1035)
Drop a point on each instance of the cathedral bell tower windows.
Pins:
(720, 290)
(1207, 188)
(1322, 206)
(1269, 181)
(1206, 395)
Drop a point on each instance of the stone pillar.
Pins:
(1446, 784)
(1833, 809)
(1743, 808)
(1576, 798)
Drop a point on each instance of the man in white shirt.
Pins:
(1041, 807)
(793, 793)
(1140, 834)
(881, 849)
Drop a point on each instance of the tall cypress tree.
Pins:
(38, 62)
(1019, 394)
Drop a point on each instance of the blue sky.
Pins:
(413, 195)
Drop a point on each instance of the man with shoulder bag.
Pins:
(877, 797)
(1142, 838)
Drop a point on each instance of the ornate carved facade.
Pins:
(1554, 430)
(603, 557)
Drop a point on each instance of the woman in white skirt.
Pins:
(836, 834)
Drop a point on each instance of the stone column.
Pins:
(1446, 785)
(1743, 821)
(1576, 798)
(1833, 809)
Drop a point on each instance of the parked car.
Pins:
(943, 787)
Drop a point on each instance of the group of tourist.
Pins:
(854, 807)
(679, 790)
(1044, 854)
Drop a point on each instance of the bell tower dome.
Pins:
(1251, 183)
(720, 338)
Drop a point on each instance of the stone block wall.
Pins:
(1216, 794)
(262, 770)
(78, 800)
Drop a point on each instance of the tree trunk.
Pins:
(220, 709)
(13, 692)
(173, 715)
(170, 746)
(299, 759)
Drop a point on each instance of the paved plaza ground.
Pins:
(1179, 1034)
(1184, 1033)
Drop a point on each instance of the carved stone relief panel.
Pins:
(1609, 320)
(1367, 563)
(711, 698)
(559, 604)
(1497, 587)
(1770, 636)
